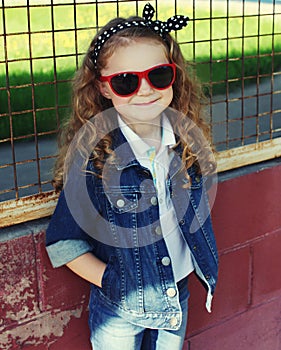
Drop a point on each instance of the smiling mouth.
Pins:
(146, 103)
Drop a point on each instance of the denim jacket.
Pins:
(119, 219)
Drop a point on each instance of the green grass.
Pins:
(47, 95)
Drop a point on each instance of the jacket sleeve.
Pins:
(63, 224)
(62, 252)
(72, 226)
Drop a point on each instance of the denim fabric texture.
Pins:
(123, 231)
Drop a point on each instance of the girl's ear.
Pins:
(104, 90)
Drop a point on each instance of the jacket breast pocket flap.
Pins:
(122, 202)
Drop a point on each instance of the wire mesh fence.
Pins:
(235, 45)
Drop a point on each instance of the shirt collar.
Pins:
(168, 136)
(138, 145)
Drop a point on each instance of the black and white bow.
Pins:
(176, 22)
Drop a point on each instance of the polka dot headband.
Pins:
(161, 28)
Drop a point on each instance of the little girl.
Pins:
(143, 223)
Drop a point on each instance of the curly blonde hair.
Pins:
(87, 101)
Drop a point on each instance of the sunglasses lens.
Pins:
(125, 84)
(161, 77)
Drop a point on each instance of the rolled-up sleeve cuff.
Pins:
(62, 252)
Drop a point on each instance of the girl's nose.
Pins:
(145, 88)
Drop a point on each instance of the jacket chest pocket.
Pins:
(121, 212)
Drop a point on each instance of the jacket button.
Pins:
(197, 179)
(171, 292)
(158, 231)
(173, 321)
(182, 222)
(153, 200)
(120, 203)
(166, 261)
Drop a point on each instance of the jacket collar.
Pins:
(124, 155)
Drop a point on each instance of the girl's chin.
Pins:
(142, 113)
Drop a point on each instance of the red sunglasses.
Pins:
(128, 83)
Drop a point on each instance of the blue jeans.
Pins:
(110, 331)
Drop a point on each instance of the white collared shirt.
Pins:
(158, 164)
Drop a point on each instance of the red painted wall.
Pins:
(42, 308)
(247, 305)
